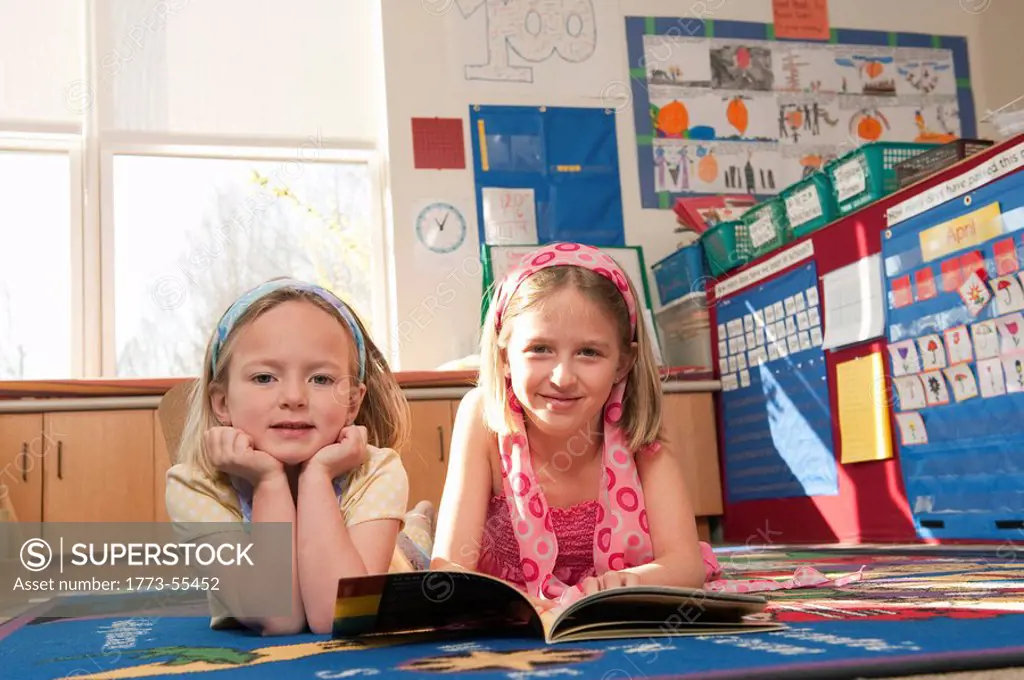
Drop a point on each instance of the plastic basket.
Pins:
(680, 273)
(767, 227)
(726, 246)
(941, 157)
(810, 205)
(868, 173)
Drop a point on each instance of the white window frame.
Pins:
(103, 351)
(71, 145)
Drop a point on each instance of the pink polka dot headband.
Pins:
(565, 254)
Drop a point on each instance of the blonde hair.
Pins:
(384, 411)
(641, 408)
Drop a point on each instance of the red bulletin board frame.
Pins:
(872, 502)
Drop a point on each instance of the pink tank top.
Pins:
(573, 529)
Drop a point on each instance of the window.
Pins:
(37, 272)
(147, 177)
(189, 234)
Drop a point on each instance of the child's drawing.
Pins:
(935, 390)
(962, 379)
(806, 121)
(905, 359)
(912, 430)
(1011, 333)
(805, 68)
(741, 67)
(1013, 369)
(986, 339)
(867, 71)
(933, 353)
(910, 391)
(990, 378)
(676, 60)
(1008, 294)
(958, 345)
(925, 72)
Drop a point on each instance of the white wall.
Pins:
(438, 304)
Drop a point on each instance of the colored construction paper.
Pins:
(801, 19)
(863, 410)
(437, 143)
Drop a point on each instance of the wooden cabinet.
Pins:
(21, 463)
(425, 457)
(81, 466)
(690, 421)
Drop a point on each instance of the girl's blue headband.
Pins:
(239, 306)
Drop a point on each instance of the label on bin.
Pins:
(803, 206)
(849, 179)
(762, 231)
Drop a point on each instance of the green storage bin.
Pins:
(767, 227)
(810, 204)
(868, 173)
(726, 247)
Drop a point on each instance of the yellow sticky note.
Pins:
(864, 429)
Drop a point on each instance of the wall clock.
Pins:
(441, 227)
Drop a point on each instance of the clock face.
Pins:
(441, 227)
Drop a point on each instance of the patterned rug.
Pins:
(917, 610)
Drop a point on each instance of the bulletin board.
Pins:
(724, 107)
(954, 284)
(564, 161)
(774, 406)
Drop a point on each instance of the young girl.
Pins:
(296, 418)
(560, 481)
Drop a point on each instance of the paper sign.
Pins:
(975, 294)
(849, 179)
(1013, 368)
(965, 231)
(905, 359)
(1011, 333)
(963, 382)
(986, 339)
(1009, 294)
(911, 428)
(935, 391)
(990, 378)
(863, 414)
(910, 391)
(933, 354)
(801, 19)
(958, 345)
(510, 216)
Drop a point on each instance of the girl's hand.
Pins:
(348, 453)
(607, 581)
(231, 452)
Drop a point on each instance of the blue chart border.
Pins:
(638, 27)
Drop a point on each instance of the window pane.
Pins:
(35, 265)
(190, 234)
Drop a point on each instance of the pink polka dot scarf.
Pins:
(621, 537)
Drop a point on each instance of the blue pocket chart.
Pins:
(775, 403)
(568, 156)
(956, 362)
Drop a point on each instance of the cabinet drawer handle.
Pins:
(60, 460)
(440, 441)
(23, 459)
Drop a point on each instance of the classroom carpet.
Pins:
(916, 610)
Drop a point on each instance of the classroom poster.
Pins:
(722, 106)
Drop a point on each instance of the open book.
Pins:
(462, 602)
